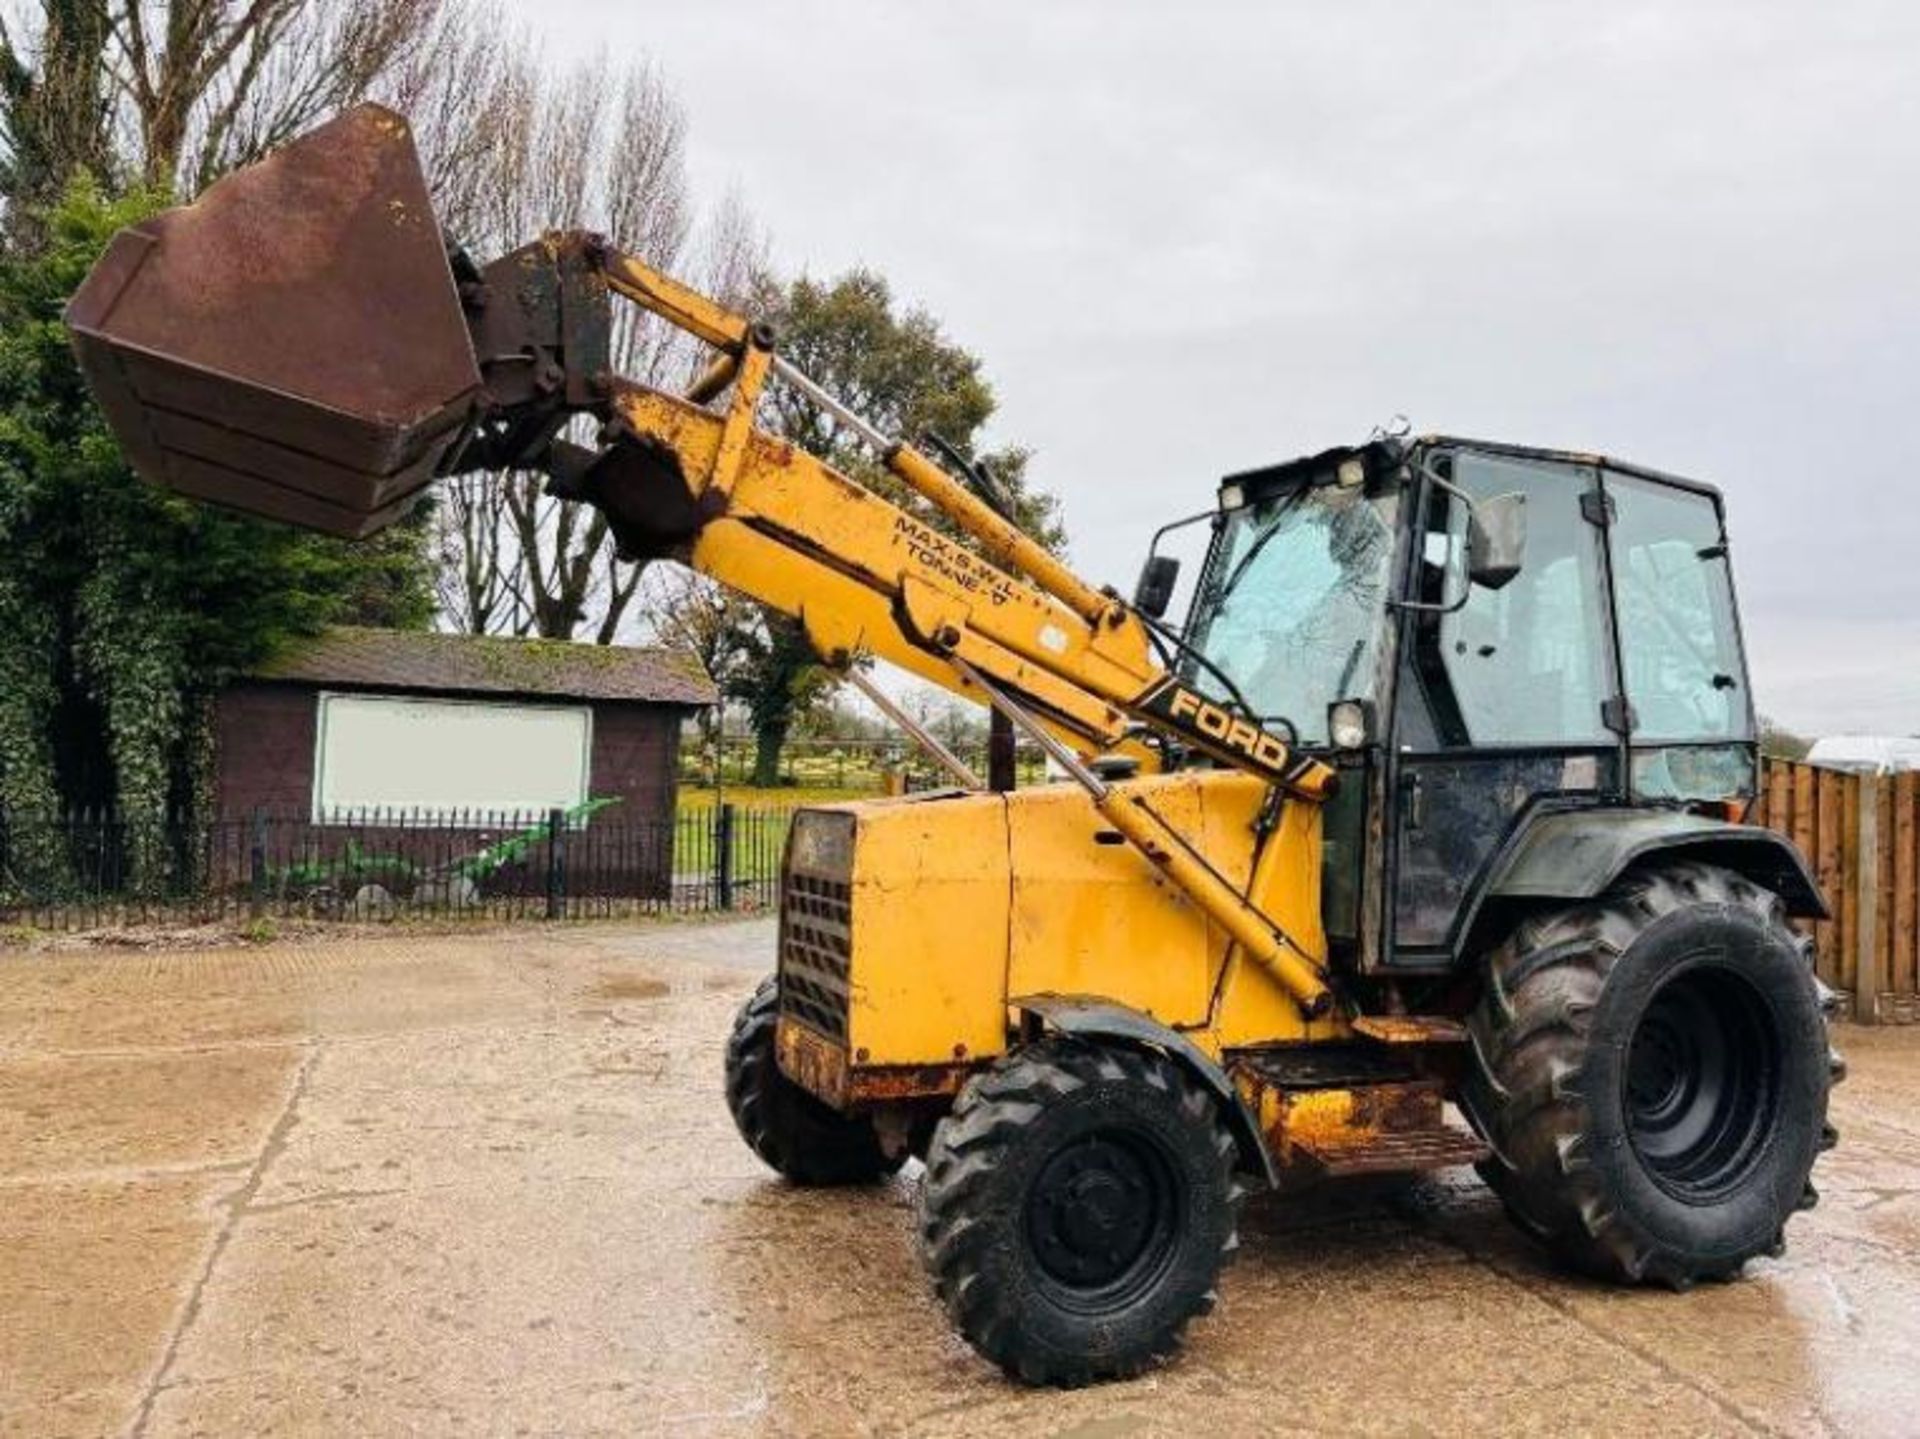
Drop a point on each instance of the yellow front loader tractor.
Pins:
(1416, 842)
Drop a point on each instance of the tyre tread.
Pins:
(1529, 1040)
(820, 1150)
(987, 1120)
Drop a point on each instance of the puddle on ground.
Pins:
(629, 986)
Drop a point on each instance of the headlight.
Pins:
(822, 844)
(1349, 724)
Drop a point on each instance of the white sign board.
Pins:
(438, 757)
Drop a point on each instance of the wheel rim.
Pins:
(1102, 1219)
(1702, 1085)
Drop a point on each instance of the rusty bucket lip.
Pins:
(461, 401)
(301, 486)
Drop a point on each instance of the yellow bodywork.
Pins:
(959, 905)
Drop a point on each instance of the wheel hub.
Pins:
(1701, 1082)
(1665, 1071)
(1099, 1212)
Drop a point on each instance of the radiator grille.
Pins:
(816, 945)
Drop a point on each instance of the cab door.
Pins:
(1505, 699)
(1683, 671)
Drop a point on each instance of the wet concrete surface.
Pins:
(486, 1184)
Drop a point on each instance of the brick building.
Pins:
(435, 726)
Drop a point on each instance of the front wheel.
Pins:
(788, 1128)
(1653, 1075)
(1079, 1203)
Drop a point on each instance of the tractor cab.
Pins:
(1477, 635)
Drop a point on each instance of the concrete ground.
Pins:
(487, 1184)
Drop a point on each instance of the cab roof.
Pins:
(1380, 455)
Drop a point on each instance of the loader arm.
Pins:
(688, 476)
(867, 577)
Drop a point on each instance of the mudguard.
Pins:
(1085, 1016)
(1576, 854)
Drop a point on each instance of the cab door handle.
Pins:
(1415, 788)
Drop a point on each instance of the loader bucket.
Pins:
(290, 344)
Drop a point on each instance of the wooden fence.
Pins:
(1861, 834)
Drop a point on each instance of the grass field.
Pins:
(780, 797)
(761, 820)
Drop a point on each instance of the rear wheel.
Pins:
(788, 1128)
(1653, 1076)
(1079, 1203)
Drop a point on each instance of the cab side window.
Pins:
(1679, 645)
(1527, 663)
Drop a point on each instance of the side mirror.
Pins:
(1155, 591)
(1497, 540)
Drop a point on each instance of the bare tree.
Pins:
(690, 613)
(197, 87)
(594, 148)
(52, 121)
(170, 94)
(475, 590)
(463, 87)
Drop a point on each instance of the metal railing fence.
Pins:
(96, 869)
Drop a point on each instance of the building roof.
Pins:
(488, 664)
(1880, 753)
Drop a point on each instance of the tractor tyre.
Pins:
(789, 1129)
(1079, 1203)
(1652, 1077)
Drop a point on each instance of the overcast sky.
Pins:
(1189, 239)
